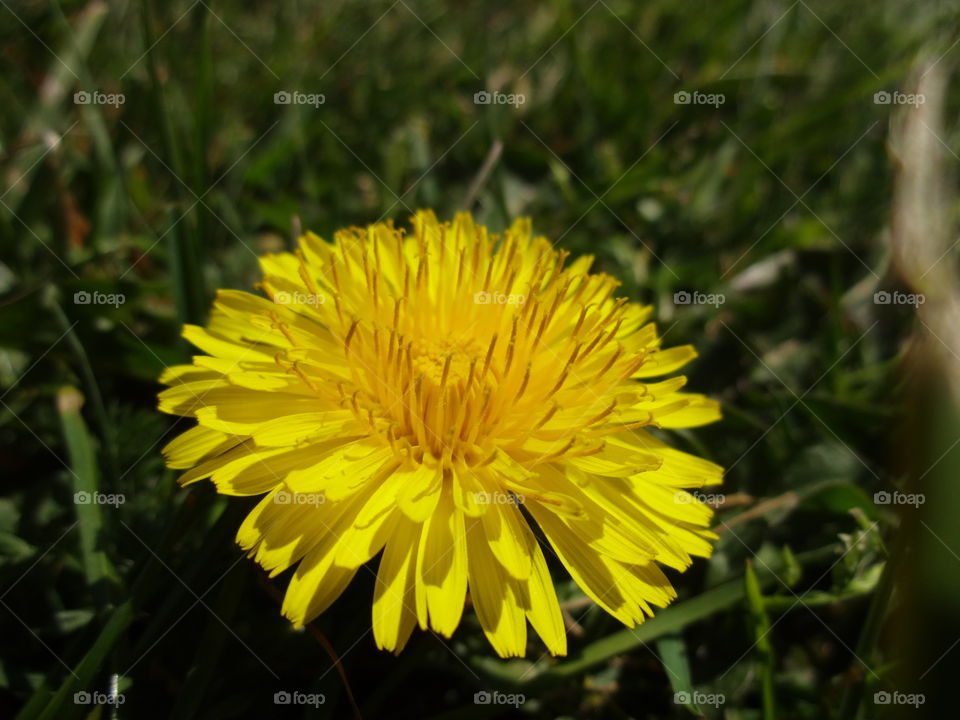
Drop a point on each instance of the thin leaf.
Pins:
(673, 655)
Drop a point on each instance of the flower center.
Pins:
(431, 357)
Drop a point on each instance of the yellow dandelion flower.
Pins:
(433, 396)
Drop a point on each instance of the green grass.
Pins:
(779, 199)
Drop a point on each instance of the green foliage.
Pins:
(777, 199)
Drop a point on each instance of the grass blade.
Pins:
(86, 486)
(673, 654)
(760, 624)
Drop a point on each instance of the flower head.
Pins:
(435, 396)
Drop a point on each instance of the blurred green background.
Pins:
(773, 187)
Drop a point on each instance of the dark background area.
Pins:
(779, 199)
